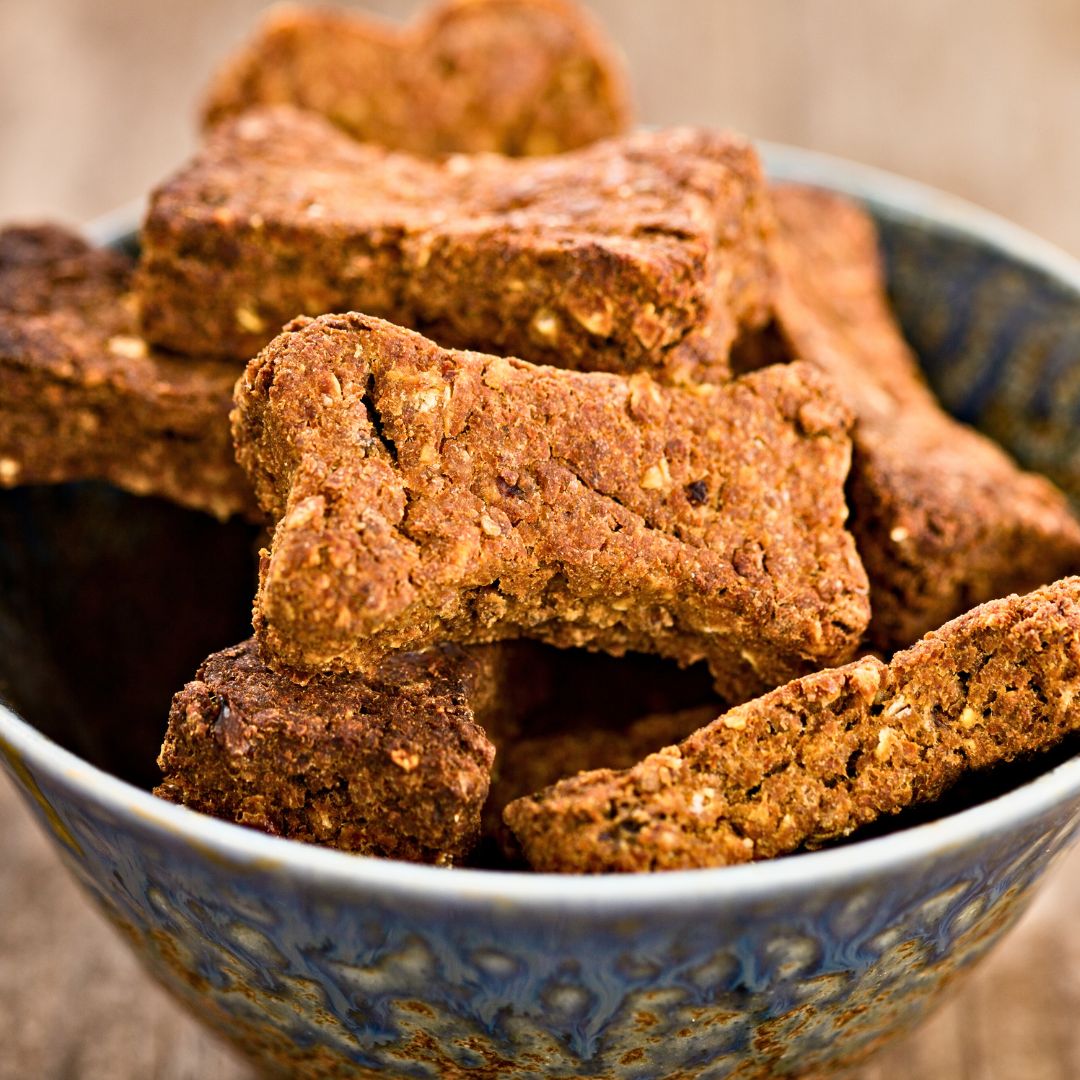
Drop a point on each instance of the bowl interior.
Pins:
(109, 602)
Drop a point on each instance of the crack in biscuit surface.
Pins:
(580, 509)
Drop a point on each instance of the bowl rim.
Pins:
(316, 867)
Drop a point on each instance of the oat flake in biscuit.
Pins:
(816, 759)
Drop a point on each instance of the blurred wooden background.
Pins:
(981, 97)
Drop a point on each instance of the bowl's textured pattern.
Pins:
(329, 975)
(328, 982)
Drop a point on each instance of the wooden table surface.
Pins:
(977, 96)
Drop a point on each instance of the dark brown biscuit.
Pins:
(648, 252)
(822, 756)
(394, 763)
(427, 495)
(83, 397)
(942, 516)
(47, 268)
(510, 76)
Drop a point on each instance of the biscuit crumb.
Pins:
(248, 320)
(133, 348)
(405, 759)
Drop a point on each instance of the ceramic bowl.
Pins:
(318, 963)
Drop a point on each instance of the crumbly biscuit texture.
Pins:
(83, 397)
(46, 268)
(426, 495)
(395, 763)
(647, 252)
(516, 77)
(944, 519)
(828, 753)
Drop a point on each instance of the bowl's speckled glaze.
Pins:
(321, 964)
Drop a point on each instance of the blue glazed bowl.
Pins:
(321, 964)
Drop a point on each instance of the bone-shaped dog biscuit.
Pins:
(511, 76)
(647, 252)
(427, 495)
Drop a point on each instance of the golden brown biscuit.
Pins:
(943, 518)
(510, 76)
(648, 252)
(83, 397)
(828, 753)
(426, 495)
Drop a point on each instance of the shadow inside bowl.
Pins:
(109, 602)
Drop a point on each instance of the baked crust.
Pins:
(46, 268)
(943, 518)
(83, 397)
(648, 252)
(395, 763)
(427, 495)
(828, 753)
(516, 77)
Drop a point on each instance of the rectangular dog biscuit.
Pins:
(828, 753)
(395, 763)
